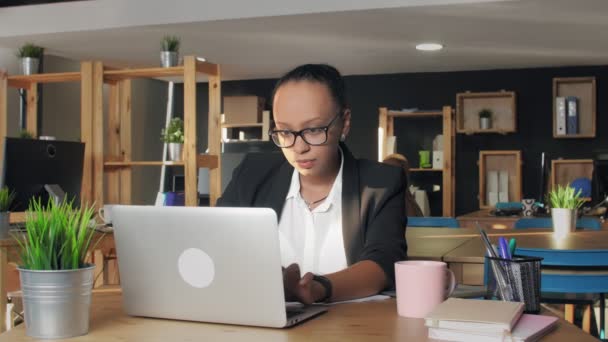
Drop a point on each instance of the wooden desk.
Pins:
(488, 221)
(469, 256)
(371, 321)
(434, 243)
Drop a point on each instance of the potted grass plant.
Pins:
(565, 202)
(25, 134)
(485, 119)
(6, 200)
(55, 280)
(169, 51)
(30, 56)
(173, 136)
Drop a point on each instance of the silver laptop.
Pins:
(220, 265)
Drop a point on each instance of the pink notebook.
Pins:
(529, 328)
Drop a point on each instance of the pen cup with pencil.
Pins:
(515, 280)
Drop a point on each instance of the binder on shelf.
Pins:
(492, 187)
(572, 119)
(560, 113)
(503, 186)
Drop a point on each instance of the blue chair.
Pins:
(435, 222)
(564, 283)
(585, 223)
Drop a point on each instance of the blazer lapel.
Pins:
(351, 205)
(279, 188)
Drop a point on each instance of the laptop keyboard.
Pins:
(294, 312)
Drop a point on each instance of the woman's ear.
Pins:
(345, 125)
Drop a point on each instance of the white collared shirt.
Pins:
(313, 239)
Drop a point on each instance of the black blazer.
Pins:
(373, 202)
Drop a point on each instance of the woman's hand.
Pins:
(301, 289)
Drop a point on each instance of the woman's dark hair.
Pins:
(322, 73)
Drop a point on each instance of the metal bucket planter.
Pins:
(57, 303)
(29, 65)
(175, 151)
(4, 225)
(485, 123)
(168, 59)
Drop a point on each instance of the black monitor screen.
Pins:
(31, 164)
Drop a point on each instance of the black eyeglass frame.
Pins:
(301, 132)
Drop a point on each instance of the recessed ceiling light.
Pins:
(429, 47)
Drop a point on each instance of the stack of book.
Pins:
(486, 321)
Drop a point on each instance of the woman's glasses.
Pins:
(312, 136)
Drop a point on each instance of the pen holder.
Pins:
(515, 280)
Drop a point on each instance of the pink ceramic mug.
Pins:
(421, 285)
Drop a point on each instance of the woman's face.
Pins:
(307, 104)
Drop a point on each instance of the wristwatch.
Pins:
(326, 283)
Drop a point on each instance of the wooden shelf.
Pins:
(421, 114)
(425, 170)
(509, 161)
(501, 103)
(124, 74)
(386, 128)
(583, 88)
(564, 171)
(243, 125)
(23, 81)
(203, 160)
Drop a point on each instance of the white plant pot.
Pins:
(175, 151)
(564, 221)
(485, 123)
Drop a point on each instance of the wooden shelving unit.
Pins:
(509, 161)
(501, 103)
(584, 88)
(264, 126)
(564, 171)
(116, 163)
(387, 128)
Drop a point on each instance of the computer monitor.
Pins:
(41, 168)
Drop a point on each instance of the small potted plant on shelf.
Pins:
(485, 119)
(55, 280)
(565, 202)
(30, 56)
(25, 134)
(169, 51)
(173, 136)
(6, 200)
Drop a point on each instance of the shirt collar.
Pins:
(294, 187)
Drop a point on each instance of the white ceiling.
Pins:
(267, 40)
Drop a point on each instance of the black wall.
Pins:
(533, 88)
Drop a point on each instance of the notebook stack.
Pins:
(486, 321)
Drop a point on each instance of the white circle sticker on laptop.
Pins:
(196, 268)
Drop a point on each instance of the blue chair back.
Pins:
(435, 222)
(585, 223)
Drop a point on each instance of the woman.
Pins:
(341, 219)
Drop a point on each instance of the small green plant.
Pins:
(6, 199)
(57, 236)
(485, 113)
(30, 50)
(24, 134)
(170, 43)
(565, 197)
(174, 133)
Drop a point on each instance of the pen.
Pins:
(512, 246)
(504, 248)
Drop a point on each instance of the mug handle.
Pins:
(450, 289)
